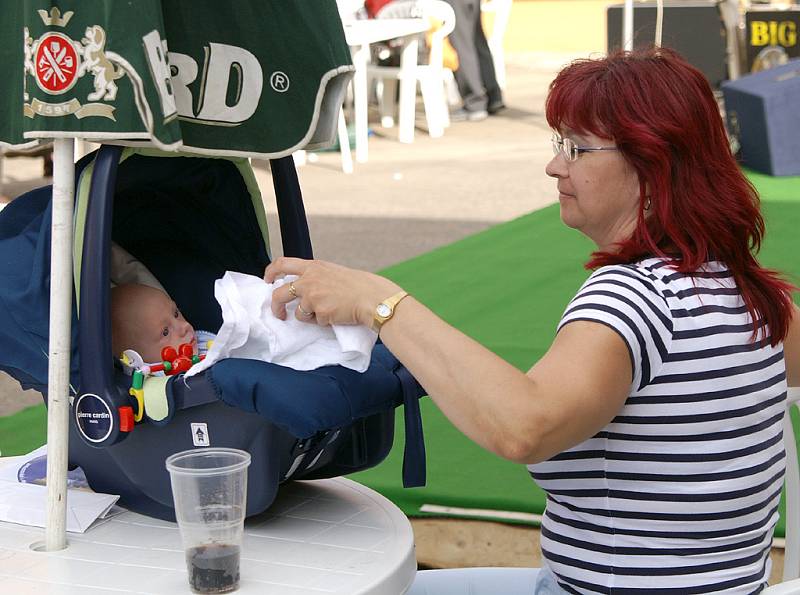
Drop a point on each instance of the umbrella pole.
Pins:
(627, 26)
(60, 344)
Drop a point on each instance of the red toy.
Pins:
(176, 361)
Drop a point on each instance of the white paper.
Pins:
(26, 503)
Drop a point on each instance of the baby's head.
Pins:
(146, 320)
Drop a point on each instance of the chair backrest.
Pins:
(442, 12)
(502, 11)
(791, 560)
(349, 9)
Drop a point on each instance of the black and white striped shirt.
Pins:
(679, 493)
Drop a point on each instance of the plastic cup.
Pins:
(209, 488)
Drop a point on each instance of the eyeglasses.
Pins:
(571, 151)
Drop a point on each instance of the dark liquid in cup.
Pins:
(213, 568)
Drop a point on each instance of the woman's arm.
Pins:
(568, 396)
(574, 391)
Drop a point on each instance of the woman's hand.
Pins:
(330, 293)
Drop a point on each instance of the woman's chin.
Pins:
(567, 213)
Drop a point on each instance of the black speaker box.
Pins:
(695, 29)
(763, 112)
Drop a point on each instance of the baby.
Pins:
(146, 320)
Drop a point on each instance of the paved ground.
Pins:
(405, 201)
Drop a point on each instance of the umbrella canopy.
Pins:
(248, 78)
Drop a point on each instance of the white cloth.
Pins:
(250, 331)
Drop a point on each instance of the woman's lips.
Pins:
(562, 194)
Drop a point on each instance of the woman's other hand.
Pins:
(333, 293)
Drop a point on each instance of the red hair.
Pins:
(662, 115)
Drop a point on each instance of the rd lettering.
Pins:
(223, 65)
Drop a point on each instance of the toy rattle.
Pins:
(172, 362)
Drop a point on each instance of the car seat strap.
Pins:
(414, 469)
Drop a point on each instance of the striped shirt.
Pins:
(680, 492)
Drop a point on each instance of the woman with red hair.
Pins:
(653, 422)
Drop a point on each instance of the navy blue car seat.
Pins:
(189, 219)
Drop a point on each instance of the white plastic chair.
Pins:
(344, 144)
(301, 157)
(502, 12)
(431, 76)
(349, 9)
(790, 588)
(791, 559)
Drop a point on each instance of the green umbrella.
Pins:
(244, 78)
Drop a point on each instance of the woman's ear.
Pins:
(644, 195)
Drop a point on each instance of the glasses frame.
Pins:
(571, 151)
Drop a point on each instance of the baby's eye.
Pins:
(165, 332)
(177, 313)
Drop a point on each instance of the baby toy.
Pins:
(172, 362)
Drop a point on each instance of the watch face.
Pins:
(383, 310)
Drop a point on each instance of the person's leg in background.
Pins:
(488, 75)
(468, 75)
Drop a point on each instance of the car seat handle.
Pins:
(291, 213)
(99, 409)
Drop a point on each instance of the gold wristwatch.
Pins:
(385, 310)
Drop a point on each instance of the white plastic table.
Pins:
(359, 35)
(324, 536)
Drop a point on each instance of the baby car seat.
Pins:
(189, 219)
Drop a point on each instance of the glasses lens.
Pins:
(556, 142)
(570, 150)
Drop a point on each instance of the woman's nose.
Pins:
(556, 167)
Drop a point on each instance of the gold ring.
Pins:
(303, 312)
(292, 289)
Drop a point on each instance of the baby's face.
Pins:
(154, 322)
(165, 327)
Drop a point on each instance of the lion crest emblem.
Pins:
(56, 63)
(98, 64)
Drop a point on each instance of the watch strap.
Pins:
(379, 320)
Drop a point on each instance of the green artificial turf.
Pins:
(23, 432)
